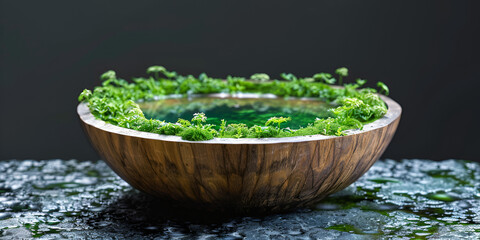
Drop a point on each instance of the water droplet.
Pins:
(422, 234)
(5, 215)
(151, 228)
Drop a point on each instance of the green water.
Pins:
(251, 111)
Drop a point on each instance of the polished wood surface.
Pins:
(241, 175)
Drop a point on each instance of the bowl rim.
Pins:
(393, 113)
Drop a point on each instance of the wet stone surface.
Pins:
(410, 199)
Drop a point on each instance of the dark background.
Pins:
(427, 52)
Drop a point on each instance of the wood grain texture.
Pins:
(241, 175)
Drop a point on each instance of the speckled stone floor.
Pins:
(406, 199)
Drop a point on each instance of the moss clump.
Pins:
(196, 134)
(115, 102)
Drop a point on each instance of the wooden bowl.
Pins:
(241, 175)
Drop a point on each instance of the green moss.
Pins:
(264, 132)
(447, 173)
(34, 228)
(441, 196)
(115, 103)
(196, 134)
(384, 180)
(236, 131)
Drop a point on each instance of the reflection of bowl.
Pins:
(241, 175)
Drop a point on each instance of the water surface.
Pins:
(251, 111)
(409, 199)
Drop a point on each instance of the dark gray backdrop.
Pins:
(426, 51)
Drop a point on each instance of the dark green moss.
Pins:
(384, 180)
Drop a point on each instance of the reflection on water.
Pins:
(251, 111)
